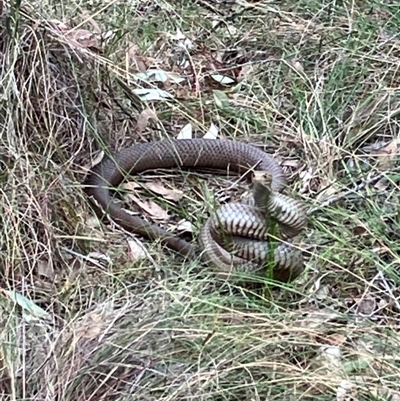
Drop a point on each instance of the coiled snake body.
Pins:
(241, 220)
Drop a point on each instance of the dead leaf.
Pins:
(143, 119)
(231, 31)
(223, 79)
(135, 250)
(296, 65)
(156, 46)
(212, 133)
(150, 207)
(366, 306)
(314, 319)
(184, 226)
(158, 188)
(327, 193)
(84, 38)
(182, 41)
(336, 339)
(186, 132)
(374, 147)
(151, 94)
(99, 256)
(79, 37)
(322, 293)
(106, 36)
(134, 61)
(91, 328)
(97, 159)
(387, 153)
(332, 357)
(131, 186)
(159, 76)
(92, 222)
(346, 391)
(177, 36)
(306, 177)
(247, 72)
(381, 185)
(62, 26)
(360, 229)
(45, 269)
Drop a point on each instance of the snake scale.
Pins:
(239, 219)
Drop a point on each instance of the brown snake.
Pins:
(201, 153)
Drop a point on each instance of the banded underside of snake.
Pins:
(246, 223)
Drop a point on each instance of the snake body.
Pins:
(237, 236)
(191, 153)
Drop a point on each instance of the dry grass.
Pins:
(82, 318)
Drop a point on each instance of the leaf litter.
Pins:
(167, 193)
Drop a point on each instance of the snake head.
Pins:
(263, 178)
(262, 181)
